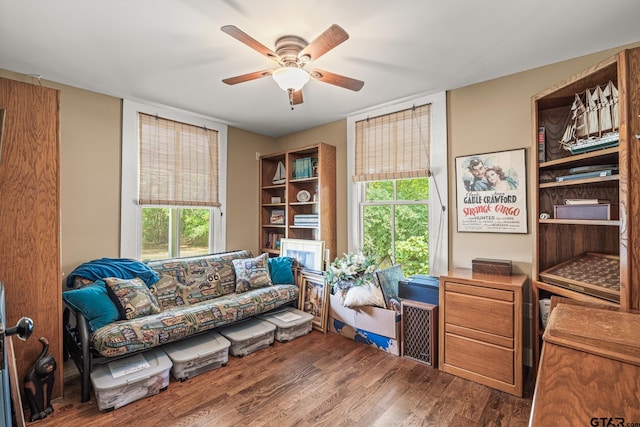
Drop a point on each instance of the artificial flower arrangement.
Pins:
(353, 275)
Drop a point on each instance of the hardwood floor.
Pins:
(313, 380)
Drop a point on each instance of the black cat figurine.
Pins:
(38, 383)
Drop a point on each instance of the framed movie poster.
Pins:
(491, 192)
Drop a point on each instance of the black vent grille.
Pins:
(420, 332)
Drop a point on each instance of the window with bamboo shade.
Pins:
(179, 163)
(393, 146)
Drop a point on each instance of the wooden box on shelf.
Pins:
(603, 211)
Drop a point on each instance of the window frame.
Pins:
(130, 210)
(438, 181)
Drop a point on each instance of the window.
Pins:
(397, 168)
(173, 189)
(395, 219)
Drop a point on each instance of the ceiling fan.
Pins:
(292, 53)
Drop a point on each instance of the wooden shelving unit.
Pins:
(559, 240)
(319, 183)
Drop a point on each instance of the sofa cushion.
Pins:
(191, 280)
(94, 303)
(128, 336)
(131, 297)
(280, 270)
(252, 273)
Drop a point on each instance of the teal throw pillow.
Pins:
(94, 304)
(280, 270)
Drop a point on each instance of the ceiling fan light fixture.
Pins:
(290, 78)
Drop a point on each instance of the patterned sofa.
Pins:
(163, 301)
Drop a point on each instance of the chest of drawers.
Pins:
(481, 328)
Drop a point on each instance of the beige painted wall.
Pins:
(243, 187)
(489, 116)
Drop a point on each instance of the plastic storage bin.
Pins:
(196, 355)
(290, 323)
(126, 380)
(249, 336)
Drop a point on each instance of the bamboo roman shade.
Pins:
(393, 146)
(178, 163)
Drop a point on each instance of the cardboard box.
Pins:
(377, 320)
(600, 211)
(390, 345)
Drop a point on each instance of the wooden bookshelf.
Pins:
(309, 189)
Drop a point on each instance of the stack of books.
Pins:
(305, 167)
(584, 172)
(309, 220)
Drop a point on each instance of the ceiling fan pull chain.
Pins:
(290, 91)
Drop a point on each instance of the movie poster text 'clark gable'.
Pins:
(492, 192)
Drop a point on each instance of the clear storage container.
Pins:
(248, 336)
(126, 380)
(198, 354)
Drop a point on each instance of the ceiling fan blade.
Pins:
(337, 79)
(245, 38)
(297, 97)
(326, 41)
(247, 77)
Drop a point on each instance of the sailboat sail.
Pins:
(593, 120)
(280, 176)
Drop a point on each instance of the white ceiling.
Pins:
(172, 52)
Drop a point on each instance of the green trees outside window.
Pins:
(395, 217)
(172, 232)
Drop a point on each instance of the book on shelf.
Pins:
(305, 167)
(592, 168)
(541, 144)
(585, 201)
(272, 240)
(584, 175)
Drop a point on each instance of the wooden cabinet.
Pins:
(558, 241)
(30, 218)
(589, 368)
(306, 199)
(481, 328)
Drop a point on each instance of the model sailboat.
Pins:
(593, 120)
(280, 176)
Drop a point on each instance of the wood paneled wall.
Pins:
(30, 218)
